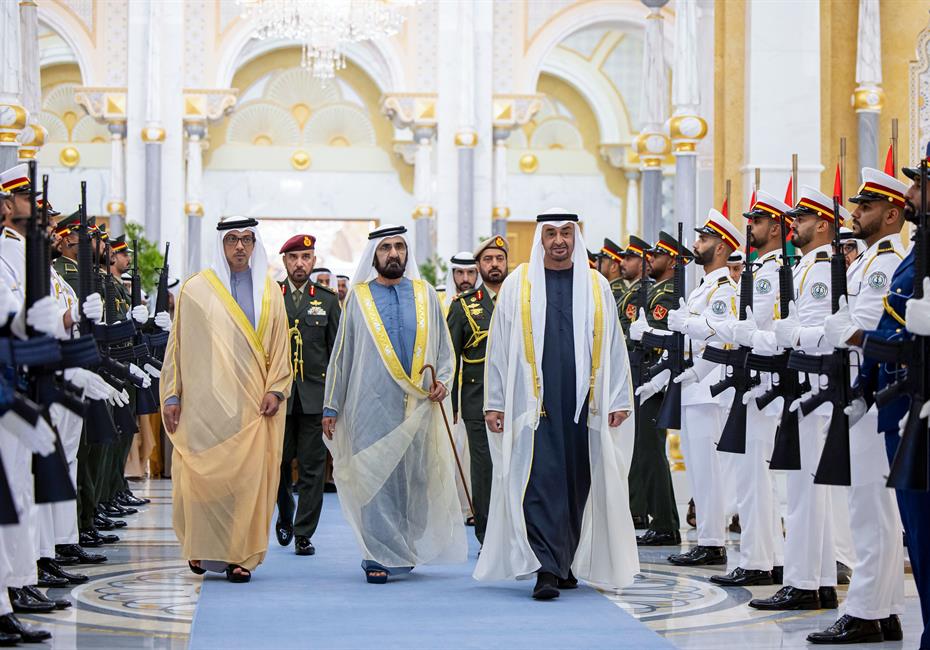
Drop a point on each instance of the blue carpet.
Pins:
(323, 601)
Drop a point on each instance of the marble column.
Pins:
(13, 115)
(466, 138)
(500, 210)
(631, 218)
(33, 136)
(868, 96)
(193, 205)
(116, 205)
(153, 135)
(424, 215)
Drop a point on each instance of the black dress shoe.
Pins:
(734, 526)
(828, 598)
(691, 517)
(7, 640)
(700, 556)
(571, 582)
(78, 554)
(52, 567)
(105, 523)
(23, 603)
(88, 539)
(891, 628)
(546, 586)
(788, 598)
(106, 538)
(141, 501)
(46, 579)
(778, 575)
(740, 577)
(303, 546)
(9, 624)
(843, 573)
(130, 500)
(111, 509)
(640, 522)
(849, 629)
(653, 538)
(284, 531)
(57, 603)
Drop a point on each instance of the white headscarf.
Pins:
(258, 264)
(454, 263)
(582, 302)
(366, 266)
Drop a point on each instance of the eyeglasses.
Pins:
(232, 240)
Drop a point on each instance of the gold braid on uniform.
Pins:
(477, 336)
(297, 363)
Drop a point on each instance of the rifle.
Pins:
(674, 345)
(910, 468)
(741, 379)
(146, 401)
(638, 353)
(834, 466)
(158, 340)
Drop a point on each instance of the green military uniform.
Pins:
(313, 313)
(469, 322)
(650, 461)
(628, 306)
(618, 286)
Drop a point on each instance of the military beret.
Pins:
(298, 243)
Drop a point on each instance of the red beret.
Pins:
(298, 243)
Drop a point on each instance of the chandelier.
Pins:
(325, 27)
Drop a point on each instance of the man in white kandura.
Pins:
(392, 458)
(557, 390)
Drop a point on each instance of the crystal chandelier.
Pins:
(325, 27)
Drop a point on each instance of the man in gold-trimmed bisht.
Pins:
(392, 457)
(226, 374)
(558, 399)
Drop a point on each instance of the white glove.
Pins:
(44, 315)
(698, 328)
(163, 320)
(925, 410)
(788, 329)
(152, 371)
(677, 318)
(9, 303)
(856, 409)
(93, 307)
(755, 392)
(745, 330)
(688, 377)
(39, 439)
(119, 398)
(637, 328)
(796, 404)
(140, 314)
(139, 373)
(653, 386)
(838, 328)
(93, 385)
(917, 313)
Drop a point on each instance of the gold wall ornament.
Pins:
(868, 99)
(12, 121)
(466, 139)
(674, 452)
(686, 131)
(500, 212)
(116, 207)
(153, 134)
(194, 209)
(422, 211)
(300, 160)
(69, 157)
(529, 163)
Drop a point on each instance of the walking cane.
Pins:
(458, 463)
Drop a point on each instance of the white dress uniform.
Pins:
(702, 416)
(877, 587)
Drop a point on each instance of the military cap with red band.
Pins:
(718, 225)
(298, 243)
(611, 250)
(878, 186)
(814, 202)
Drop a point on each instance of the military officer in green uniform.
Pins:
(609, 264)
(650, 461)
(469, 321)
(313, 312)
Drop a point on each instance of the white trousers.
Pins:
(810, 555)
(19, 543)
(761, 544)
(64, 513)
(877, 587)
(700, 429)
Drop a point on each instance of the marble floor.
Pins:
(145, 597)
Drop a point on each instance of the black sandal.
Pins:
(232, 576)
(376, 576)
(196, 570)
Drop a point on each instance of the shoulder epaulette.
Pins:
(723, 281)
(822, 256)
(323, 286)
(9, 234)
(885, 247)
(465, 294)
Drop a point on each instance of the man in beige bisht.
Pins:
(557, 402)
(226, 372)
(392, 458)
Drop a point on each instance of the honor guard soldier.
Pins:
(313, 313)
(609, 262)
(469, 321)
(876, 589)
(649, 451)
